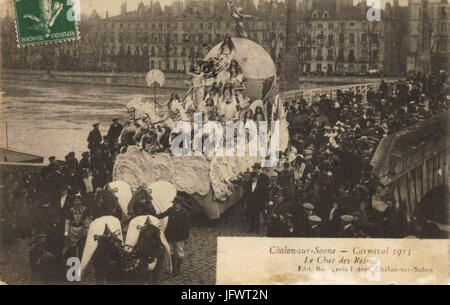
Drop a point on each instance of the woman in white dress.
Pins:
(198, 87)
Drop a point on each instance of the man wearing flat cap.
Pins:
(95, 138)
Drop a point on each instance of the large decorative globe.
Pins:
(256, 65)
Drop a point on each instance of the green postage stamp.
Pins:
(45, 21)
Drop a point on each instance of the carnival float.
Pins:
(236, 63)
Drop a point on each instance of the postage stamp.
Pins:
(45, 21)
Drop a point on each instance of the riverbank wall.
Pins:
(173, 80)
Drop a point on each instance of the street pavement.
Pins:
(199, 265)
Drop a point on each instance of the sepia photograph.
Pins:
(203, 142)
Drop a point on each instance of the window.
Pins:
(330, 56)
(351, 55)
(319, 54)
(330, 40)
(330, 26)
(364, 37)
(308, 68)
(320, 38)
(374, 37)
(375, 54)
(352, 38)
(341, 38)
(319, 67)
(442, 45)
(341, 54)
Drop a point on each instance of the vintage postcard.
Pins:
(203, 142)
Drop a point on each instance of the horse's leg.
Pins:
(156, 273)
(175, 263)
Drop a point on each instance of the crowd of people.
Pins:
(324, 185)
(55, 205)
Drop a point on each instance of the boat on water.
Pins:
(11, 156)
(14, 161)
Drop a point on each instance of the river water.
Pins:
(53, 119)
(46, 118)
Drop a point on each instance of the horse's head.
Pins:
(142, 202)
(106, 203)
(149, 244)
(109, 242)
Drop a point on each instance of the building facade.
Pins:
(337, 37)
(332, 37)
(428, 43)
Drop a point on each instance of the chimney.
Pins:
(124, 8)
(107, 14)
(342, 4)
(363, 6)
(339, 5)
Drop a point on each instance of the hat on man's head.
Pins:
(347, 218)
(257, 165)
(308, 206)
(315, 218)
(115, 120)
(52, 158)
(95, 124)
(85, 154)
